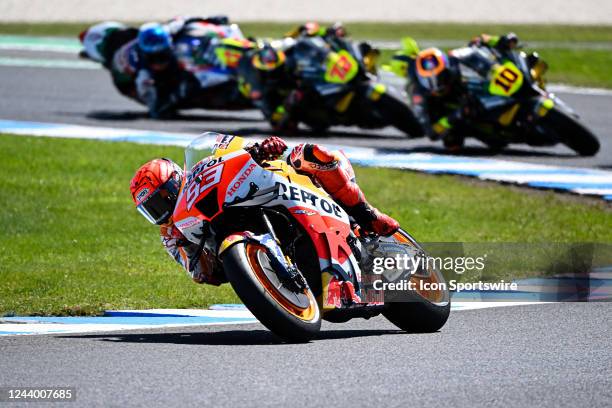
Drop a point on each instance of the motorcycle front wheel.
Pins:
(292, 315)
(570, 132)
(398, 114)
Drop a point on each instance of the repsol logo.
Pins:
(241, 179)
(202, 166)
(297, 194)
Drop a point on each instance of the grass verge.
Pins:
(72, 243)
(390, 31)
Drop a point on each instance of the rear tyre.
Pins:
(425, 311)
(294, 317)
(398, 114)
(418, 317)
(571, 132)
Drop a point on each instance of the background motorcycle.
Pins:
(211, 57)
(275, 232)
(516, 108)
(336, 88)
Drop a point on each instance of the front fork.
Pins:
(287, 272)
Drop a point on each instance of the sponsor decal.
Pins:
(231, 240)
(142, 194)
(326, 166)
(199, 168)
(205, 178)
(223, 141)
(304, 212)
(297, 152)
(187, 223)
(298, 194)
(241, 179)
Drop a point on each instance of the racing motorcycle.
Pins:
(210, 53)
(514, 105)
(338, 89)
(275, 232)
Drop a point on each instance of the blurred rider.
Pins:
(155, 189)
(266, 78)
(501, 43)
(160, 82)
(436, 91)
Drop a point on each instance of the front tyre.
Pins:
(571, 132)
(293, 316)
(398, 114)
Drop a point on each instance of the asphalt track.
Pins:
(86, 96)
(549, 355)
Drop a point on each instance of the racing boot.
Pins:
(335, 174)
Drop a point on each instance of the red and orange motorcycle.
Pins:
(282, 242)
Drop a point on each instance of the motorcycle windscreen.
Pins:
(198, 149)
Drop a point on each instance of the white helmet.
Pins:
(94, 37)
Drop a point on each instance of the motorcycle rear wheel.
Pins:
(426, 311)
(292, 316)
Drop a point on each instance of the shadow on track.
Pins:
(224, 338)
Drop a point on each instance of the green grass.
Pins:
(579, 67)
(72, 243)
(539, 32)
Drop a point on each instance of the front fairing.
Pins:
(204, 184)
(230, 178)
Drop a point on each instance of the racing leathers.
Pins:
(329, 169)
(272, 91)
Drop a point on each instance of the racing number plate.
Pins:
(506, 79)
(341, 67)
(202, 182)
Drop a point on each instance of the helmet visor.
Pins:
(158, 207)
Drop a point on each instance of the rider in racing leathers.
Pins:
(156, 184)
(265, 76)
(440, 99)
(161, 83)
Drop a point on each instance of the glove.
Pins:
(271, 147)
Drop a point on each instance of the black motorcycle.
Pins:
(334, 88)
(513, 105)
